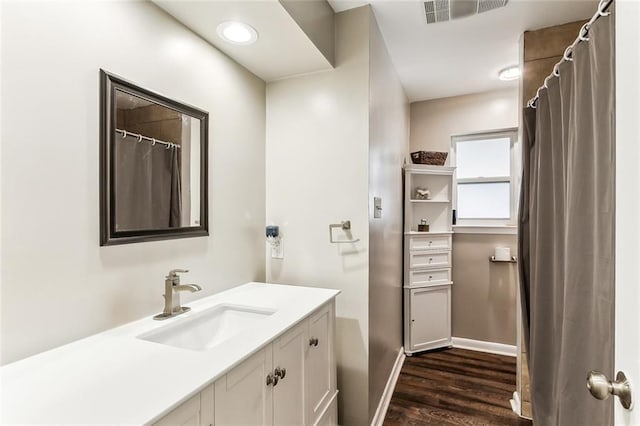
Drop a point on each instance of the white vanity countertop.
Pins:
(115, 378)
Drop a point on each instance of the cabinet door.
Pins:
(288, 393)
(320, 370)
(430, 311)
(197, 411)
(242, 396)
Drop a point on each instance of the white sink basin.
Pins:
(208, 328)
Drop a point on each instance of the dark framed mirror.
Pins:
(153, 165)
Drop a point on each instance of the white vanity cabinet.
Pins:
(267, 359)
(197, 411)
(427, 258)
(291, 381)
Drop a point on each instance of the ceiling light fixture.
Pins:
(237, 33)
(511, 73)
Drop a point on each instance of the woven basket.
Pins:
(433, 158)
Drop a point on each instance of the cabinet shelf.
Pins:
(425, 169)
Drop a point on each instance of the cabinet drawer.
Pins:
(431, 242)
(422, 259)
(422, 278)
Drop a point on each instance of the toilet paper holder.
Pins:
(513, 259)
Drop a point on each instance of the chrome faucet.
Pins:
(172, 289)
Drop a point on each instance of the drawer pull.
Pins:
(272, 380)
(313, 341)
(280, 372)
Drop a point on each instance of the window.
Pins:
(485, 190)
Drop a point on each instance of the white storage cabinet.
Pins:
(427, 258)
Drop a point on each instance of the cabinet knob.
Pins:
(280, 372)
(272, 380)
(313, 341)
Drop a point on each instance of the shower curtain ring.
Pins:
(582, 34)
(601, 11)
(139, 138)
(169, 145)
(556, 71)
(567, 54)
(153, 141)
(124, 134)
(545, 81)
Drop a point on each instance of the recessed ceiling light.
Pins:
(237, 33)
(511, 73)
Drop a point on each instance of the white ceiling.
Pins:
(433, 60)
(282, 49)
(461, 56)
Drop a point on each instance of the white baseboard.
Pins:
(482, 346)
(385, 399)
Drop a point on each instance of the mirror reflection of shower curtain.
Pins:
(147, 185)
(566, 234)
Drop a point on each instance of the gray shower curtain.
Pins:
(566, 234)
(147, 186)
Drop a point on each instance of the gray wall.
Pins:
(58, 284)
(483, 293)
(317, 158)
(388, 145)
(434, 122)
(334, 140)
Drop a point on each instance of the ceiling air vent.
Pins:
(445, 10)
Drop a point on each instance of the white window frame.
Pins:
(491, 226)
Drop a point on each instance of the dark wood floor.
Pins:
(454, 387)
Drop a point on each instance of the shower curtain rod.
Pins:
(140, 138)
(582, 36)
